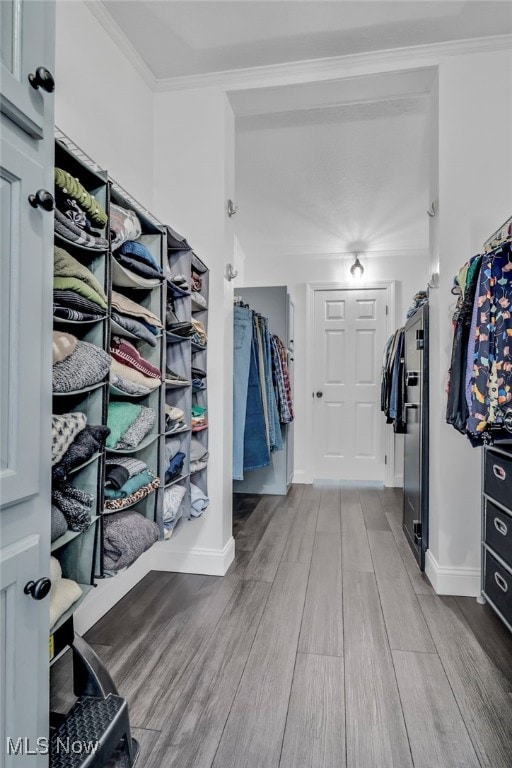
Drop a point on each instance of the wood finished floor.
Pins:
(323, 647)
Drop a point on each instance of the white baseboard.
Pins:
(464, 582)
(301, 476)
(108, 592)
(211, 562)
(399, 481)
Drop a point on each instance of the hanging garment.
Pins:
(281, 378)
(242, 344)
(256, 450)
(275, 437)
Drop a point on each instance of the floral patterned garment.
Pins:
(491, 387)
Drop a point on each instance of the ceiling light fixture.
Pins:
(357, 269)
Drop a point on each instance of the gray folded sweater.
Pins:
(126, 535)
(86, 366)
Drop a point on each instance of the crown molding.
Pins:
(333, 68)
(116, 34)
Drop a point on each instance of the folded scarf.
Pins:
(173, 497)
(73, 300)
(65, 265)
(141, 330)
(65, 428)
(128, 375)
(64, 313)
(126, 306)
(81, 287)
(142, 425)
(174, 467)
(70, 231)
(134, 466)
(125, 352)
(120, 417)
(126, 536)
(72, 187)
(86, 366)
(199, 501)
(88, 442)
(124, 225)
(130, 486)
(59, 525)
(75, 504)
(139, 268)
(63, 345)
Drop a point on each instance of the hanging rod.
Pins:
(501, 234)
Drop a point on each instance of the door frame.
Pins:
(391, 324)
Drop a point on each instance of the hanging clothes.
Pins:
(393, 381)
(281, 377)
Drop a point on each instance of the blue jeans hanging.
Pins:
(256, 452)
(242, 343)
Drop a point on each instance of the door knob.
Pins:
(43, 78)
(42, 199)
(319, 394)
(38, 589)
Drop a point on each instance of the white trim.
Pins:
(302, 476)
(108, 592)
(116, 34)
(316, 70)
(211, 562)
(399, 481)
(390, 287)
(452, 581)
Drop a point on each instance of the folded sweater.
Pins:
(65, 265)
(126, 536)
(81, 287)
(126, 353)
(126, 306)
(86, 366)
(89, 441)
(120, 417)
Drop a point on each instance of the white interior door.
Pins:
(349, 336)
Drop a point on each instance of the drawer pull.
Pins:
(500, 526)
(500, 581)
(499, 472)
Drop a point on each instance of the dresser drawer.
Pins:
(498, 586)
(498, 531)
(498, 477)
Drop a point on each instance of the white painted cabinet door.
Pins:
(349, 339)
(26, 44)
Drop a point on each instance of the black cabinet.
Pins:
(497, 531)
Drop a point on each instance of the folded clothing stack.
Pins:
(173, 418)
(196, 281)
(135, 319)
(76, 364)
(63, 593)
(126, 535)
(77, 294)
(74, 442)
(129, 424)
(178, 281)
(76, 505)
(174, 459)
(198, 501)
(198, 418)
(171, 377)
(130, 372)
(199, 336)
(136, 488)
(172, 510)
(137, 259)
(78, 215)
(198, 456)
(124, 225)
(198, 298)
(185, 329)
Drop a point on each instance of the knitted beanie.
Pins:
(63, 345)
(64, 430)
(87, 366)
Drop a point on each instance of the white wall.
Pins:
(101, 102)
(410, 270)
(475, 168)
(194, 177)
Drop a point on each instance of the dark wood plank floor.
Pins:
(323, 647)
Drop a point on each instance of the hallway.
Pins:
(322, 647)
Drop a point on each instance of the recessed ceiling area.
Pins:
(189, 37)
(334, 179)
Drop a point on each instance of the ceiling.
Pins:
(336, 179)
(192, 37)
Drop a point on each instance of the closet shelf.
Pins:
(86, 588)
(70, 535)
(74, 392)
(60, 240)
(123, 278)
(197, 307)
(176, 480)
(177, 384)
(84, 464)
(127, 395)
(176, 432)
(198, 347)
(118, 330)
(143, 444)
(173, 338)
(77, 323)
